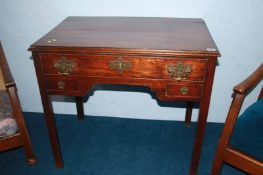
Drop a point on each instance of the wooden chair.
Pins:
(227, 153)
(13, 132)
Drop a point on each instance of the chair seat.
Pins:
(8, 124)
(247, 135)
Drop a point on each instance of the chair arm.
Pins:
(250, 82)
(8, 78)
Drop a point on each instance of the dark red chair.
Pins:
(228, 152)
(13, 131)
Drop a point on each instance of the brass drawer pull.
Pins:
(64, 66)
(184, 90)
(120, 65)
(179, 71)
(61, 84)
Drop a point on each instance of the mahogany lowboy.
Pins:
(98, 67)
(175, 58)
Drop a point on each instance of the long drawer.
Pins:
(180, 69)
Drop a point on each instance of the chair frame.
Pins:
(21, 138)
(226, 153)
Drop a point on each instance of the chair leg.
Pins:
(218, 161)
(226, 133)
(31, 159)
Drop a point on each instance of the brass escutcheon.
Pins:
(64, 66)
(184, 90)
(61, 84)
(179, 71)
(120, 65)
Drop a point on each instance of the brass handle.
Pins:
(64, 66)
(61, 84)
(120, 65)
(179, 71)
(184, 90)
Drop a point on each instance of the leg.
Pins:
(199, 139)
(31, 159)
(202, 117)
(52, 131)
(80, 108)
(261, 94)
(48, 113)
(188, 114)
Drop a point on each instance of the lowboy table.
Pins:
(175, 58)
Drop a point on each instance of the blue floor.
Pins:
(114, 146)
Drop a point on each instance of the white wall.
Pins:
(236, 26)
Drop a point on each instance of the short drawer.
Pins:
(178, 69)
(61, 85)
(184, 90)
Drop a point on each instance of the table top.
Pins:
(138, 33)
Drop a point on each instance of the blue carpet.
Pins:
(114, 146)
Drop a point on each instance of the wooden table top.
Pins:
(138, 33)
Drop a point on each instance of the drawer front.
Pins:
(61, 85)
(185, 90)
(179, 69)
